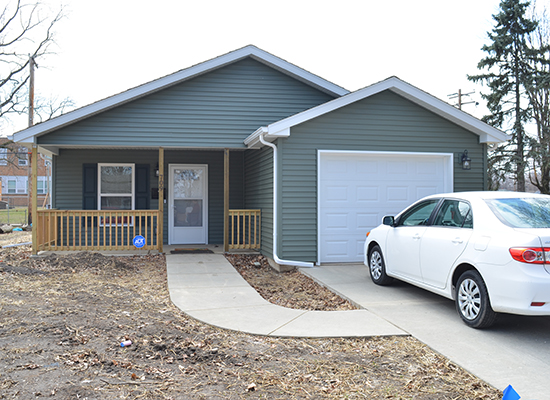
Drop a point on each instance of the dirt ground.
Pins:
(62, 319)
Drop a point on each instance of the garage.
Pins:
(356, 189)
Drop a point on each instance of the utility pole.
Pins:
(29, 155)
(458, 96)
(31, 91)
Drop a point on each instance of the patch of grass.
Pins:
(14, 216)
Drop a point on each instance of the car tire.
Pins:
(377, 267)
(472, 301)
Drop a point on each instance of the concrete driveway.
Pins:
(516, 351)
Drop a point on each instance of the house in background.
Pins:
(14, 173)
(249, 150)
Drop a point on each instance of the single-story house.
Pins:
(250, 150)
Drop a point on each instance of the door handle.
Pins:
(416, 236)
(457, 240)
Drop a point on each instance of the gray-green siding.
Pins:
(259, 191)
(384, 122)
(67, 186)
(218, 109)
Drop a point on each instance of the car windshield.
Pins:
(526, 212)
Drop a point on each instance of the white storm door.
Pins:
(188, 208)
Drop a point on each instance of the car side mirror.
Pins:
(388, 220)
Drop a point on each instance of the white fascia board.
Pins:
(253, 140)
(297, 72)
(175, 78)
(49, 150)
(486, 133)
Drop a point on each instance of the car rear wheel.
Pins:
(472, 301)
(377, 267)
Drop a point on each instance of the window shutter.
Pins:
(89, 187)
(142, 187)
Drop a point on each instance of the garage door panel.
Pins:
(367, 167)
(397, 168)
(336, 222)
(430, 168)
(333, 193)
(336, 249)
(367, 194)
(397, 193)
(423, 191)
(367, 220)
(356, 190)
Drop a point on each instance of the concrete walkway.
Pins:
(208, 288)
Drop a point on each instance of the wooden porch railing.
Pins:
(60, 230)
(245, 229)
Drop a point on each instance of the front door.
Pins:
(188, 208)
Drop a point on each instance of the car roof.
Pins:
(488, 195)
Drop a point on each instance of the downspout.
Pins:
(275, 210)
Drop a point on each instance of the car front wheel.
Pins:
(472, 301)
(377, 267)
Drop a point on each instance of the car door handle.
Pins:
(458, 240)
(416, 237)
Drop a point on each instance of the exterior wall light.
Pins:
(157, 170)
(466, 161)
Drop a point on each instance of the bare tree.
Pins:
(26, 31)
(538, 91)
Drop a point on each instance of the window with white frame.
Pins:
(22, 156)
(42, 185)
(3, 156)
(17, 185)
(116, 186)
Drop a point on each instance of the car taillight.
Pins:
(531, 255)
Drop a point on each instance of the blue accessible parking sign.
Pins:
(139, 241)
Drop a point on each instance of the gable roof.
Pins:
(281, 129)
(253, 52)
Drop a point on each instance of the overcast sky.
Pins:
(107, 46)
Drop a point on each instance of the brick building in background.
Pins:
(14, 175)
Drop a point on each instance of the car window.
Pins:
(522, 212)
(454, 213)
(419, 214)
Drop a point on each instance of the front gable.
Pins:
(216, 109)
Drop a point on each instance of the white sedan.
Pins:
(488, 251)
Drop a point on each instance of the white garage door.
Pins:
(356, 189)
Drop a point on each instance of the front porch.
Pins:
(115, 230)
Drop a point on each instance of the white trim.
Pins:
(178, 77)
(448, 176)
(486, 133)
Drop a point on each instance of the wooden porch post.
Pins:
(34, 200)
(160, 225)
(226, 200)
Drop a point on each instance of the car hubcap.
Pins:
(469, 299)
(376, 265)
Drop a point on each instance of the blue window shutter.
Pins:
(89, 187)
(142, 187)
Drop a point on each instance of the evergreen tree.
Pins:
(505, 77)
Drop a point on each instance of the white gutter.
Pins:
(275, 208)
